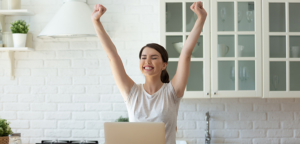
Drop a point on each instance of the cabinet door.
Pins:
(281, 36)
(236, 48)
(176, 23)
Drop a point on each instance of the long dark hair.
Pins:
(164, 77)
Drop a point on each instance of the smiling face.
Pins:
(151, 62)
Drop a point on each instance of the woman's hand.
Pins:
(197, 8)
(99, 10)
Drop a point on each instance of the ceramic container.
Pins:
(19, 39)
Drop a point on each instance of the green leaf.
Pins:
(5, 129)
(121, 119)
(19, 26)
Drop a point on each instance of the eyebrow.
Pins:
(151, 55)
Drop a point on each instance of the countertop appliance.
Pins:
(84, 142)
(68, 142)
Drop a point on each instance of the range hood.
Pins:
(73, 20)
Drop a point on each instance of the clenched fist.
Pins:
(99, 10)
(197, 8)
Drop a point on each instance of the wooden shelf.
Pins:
(16, 49)
(16, 12)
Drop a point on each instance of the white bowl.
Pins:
(178, 46)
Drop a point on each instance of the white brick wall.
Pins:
(65, 88)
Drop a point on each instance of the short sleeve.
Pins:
(133, 90)
(171, 88)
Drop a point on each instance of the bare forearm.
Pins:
(193, 38)
(105, 40)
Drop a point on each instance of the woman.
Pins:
(158, 99)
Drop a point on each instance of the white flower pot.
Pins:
(19, 39)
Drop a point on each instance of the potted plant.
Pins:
(5, 130)
(121, 119)
(19, 30)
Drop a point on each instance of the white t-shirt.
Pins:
(162, 106)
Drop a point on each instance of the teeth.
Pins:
(148, 68)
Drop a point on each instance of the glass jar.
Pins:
(1, 39)
(15, 138)
(10, 4)
(7, 39)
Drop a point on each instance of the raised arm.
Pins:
(123, 81)
(180, 78)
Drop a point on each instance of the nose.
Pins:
(148, 61)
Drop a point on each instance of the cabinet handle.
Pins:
(215, 93)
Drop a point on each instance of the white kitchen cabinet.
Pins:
(281, 52)
(251, 47)
(176, 22)
(236, 48)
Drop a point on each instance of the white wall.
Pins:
(65, 88)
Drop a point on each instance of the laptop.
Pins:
(134, 132)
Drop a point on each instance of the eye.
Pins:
(143, 58)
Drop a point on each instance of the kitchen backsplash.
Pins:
(65, 89)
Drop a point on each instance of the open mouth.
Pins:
(148, 68)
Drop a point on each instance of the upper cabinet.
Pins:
(236, 48)
(176, 22)
(281, 42)
(248, 48)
